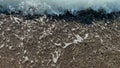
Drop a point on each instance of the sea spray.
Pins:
(57, 7)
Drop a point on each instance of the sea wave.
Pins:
(57, 6)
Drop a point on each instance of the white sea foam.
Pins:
(57, 6)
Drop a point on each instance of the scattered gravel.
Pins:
(50, 43)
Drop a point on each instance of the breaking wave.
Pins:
(57, 7)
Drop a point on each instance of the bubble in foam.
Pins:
(57, 6)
